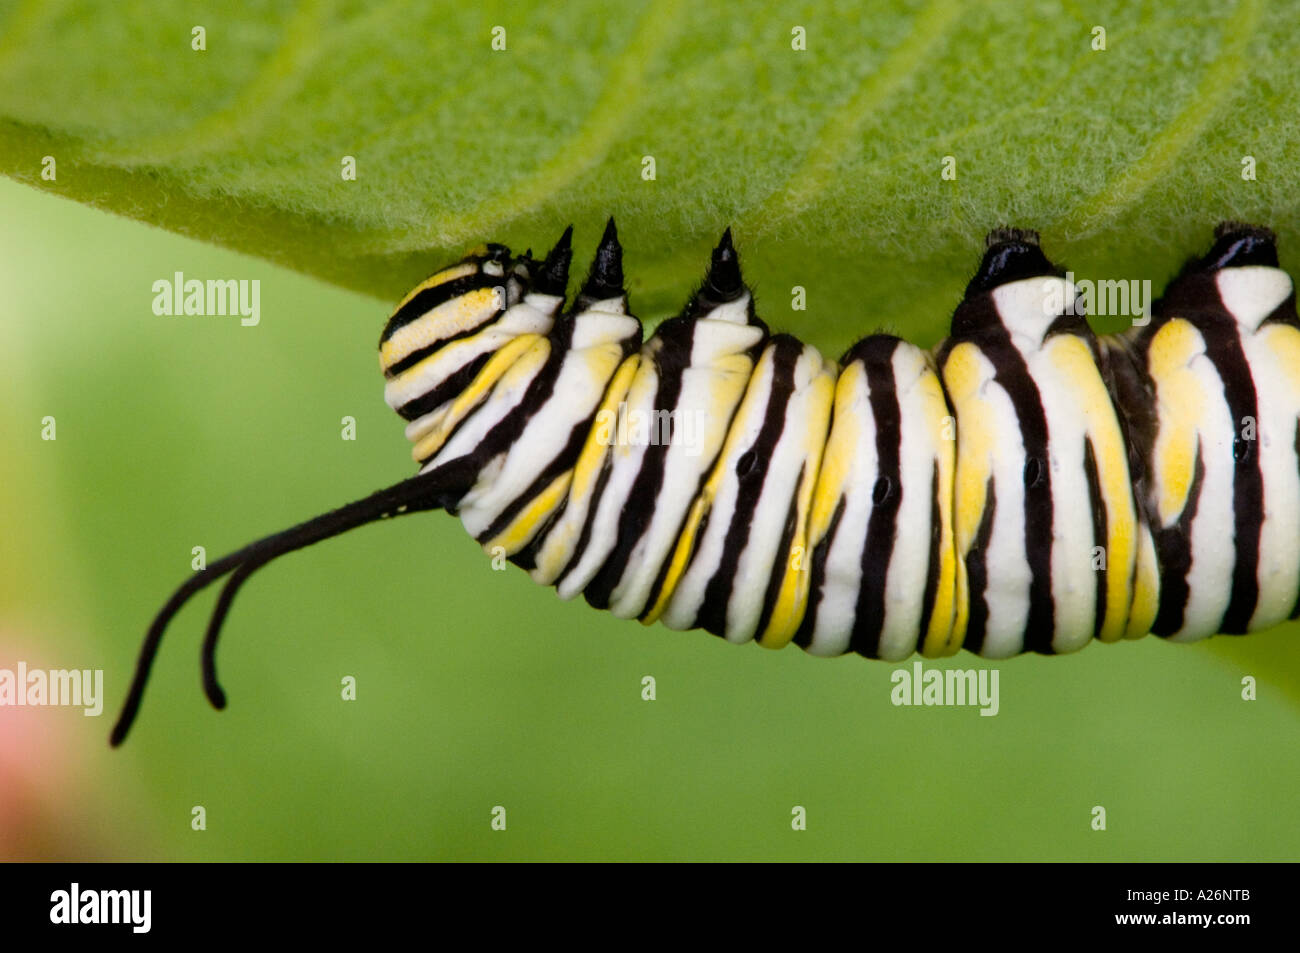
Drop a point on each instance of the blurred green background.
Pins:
(477, 688)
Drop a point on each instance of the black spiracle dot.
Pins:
(1034, 472)
(881, 491)
(746, 463)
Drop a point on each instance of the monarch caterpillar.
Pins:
(898, 501)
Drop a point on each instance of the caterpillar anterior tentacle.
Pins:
(1025, 486)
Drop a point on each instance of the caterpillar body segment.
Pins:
(882, 518)
(690, 380)
(748, 526)
(1047, 520)
(1025, 486)
(1224, 489)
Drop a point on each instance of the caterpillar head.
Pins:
(463, 299)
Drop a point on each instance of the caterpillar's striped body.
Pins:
(1026, 486)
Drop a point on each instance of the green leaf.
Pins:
(826, 161)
